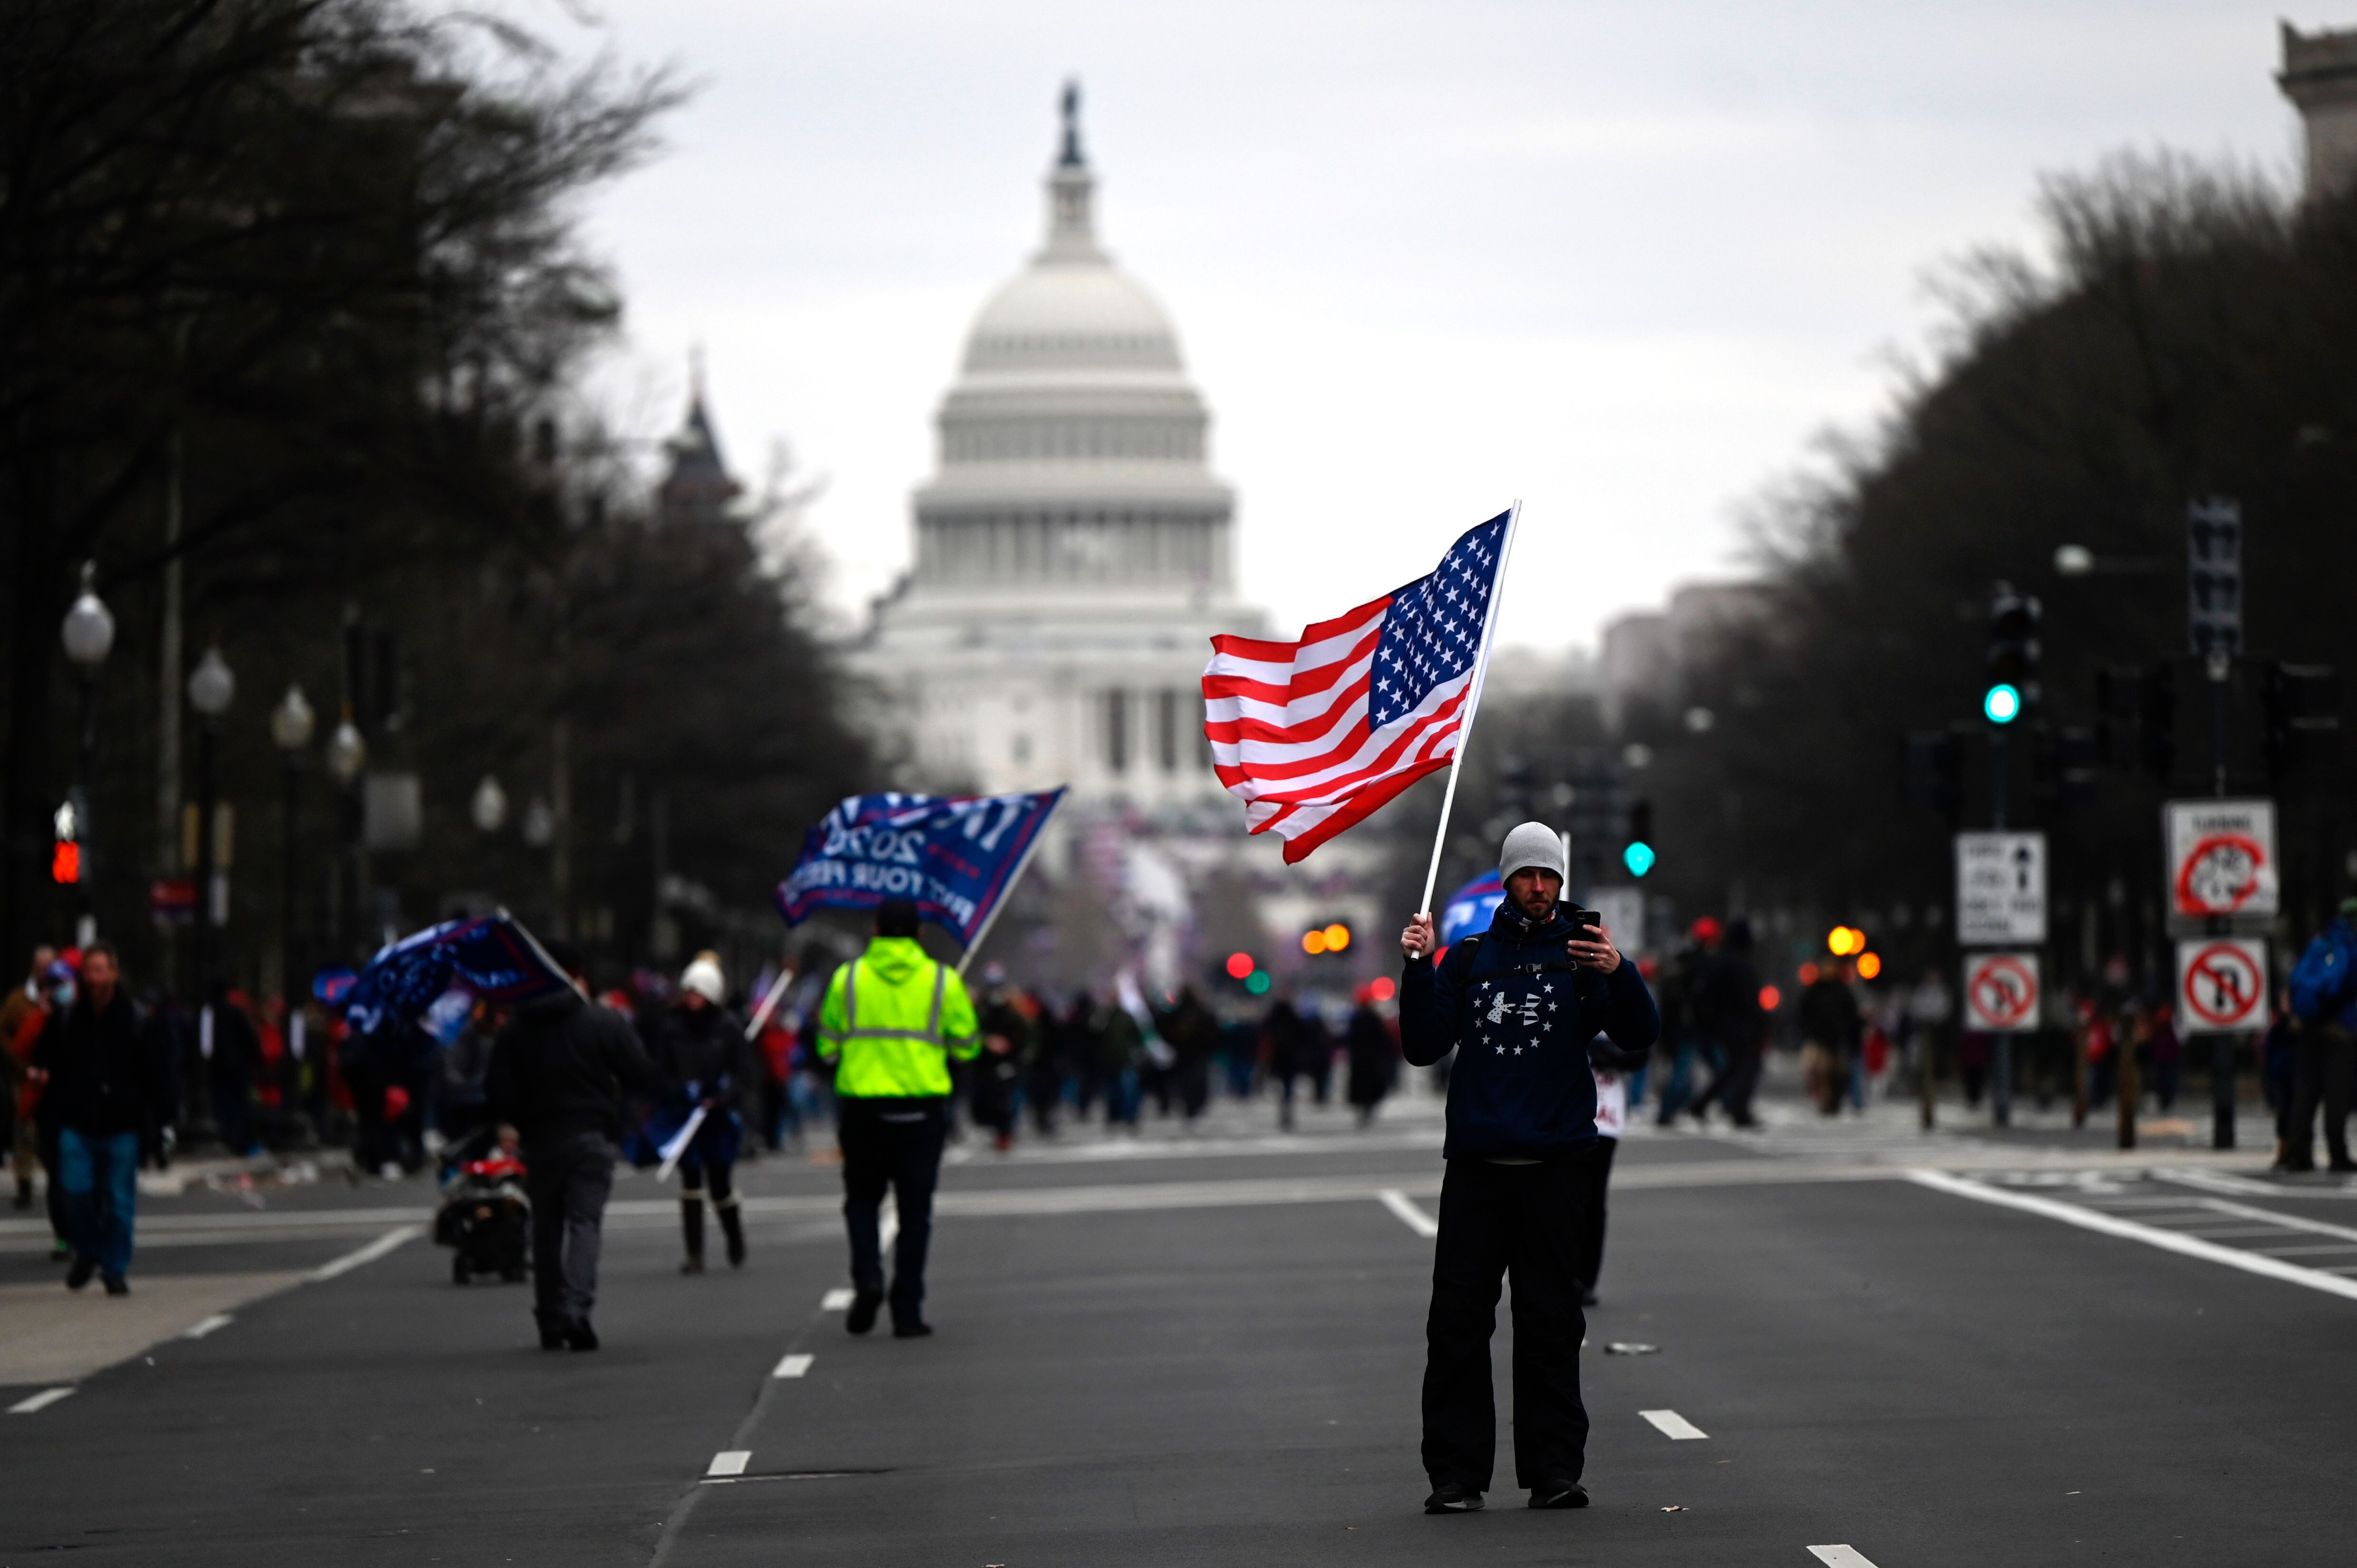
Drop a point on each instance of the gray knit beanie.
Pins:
(1532, 844)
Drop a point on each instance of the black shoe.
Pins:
(864, 1306)
(692, 1264)
(732, 1226)
(61, 1251)
(79, 1276)
(579, 1335)
(552, 1336)
(1587, 1295)
(1453, 1497)
(911, 1330)
(1559, 1495)
(2343, 1167)
(117, 1285)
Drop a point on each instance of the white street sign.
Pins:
(2001, 992)
(2222, 984)
(2221, 857)
(1623, 913)
(2000, 890)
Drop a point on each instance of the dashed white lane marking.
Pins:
(794, 1366)
(836, 1300)
(731, 1462)
(40, 1402)
(370, 1253)
(2150, 1235)
(1415, 1219)
(198, 1330)
(1675, 1427)
(1841, 1556)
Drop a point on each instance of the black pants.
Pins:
(2322, 1058)
(894, 1143)
(568, 1180)
(1496, 1220)
(1591, 1230)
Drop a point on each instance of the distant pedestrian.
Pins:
(1519, 1003)
(23, 1014)
(98, 1086)
(2324, 999)
(1609, 1063)
(1375, 1056)
(560, 1073)
(231, 1049)
(892, 1020)
(994, 1082)
(1287, 1040)
(707, 1065)
(1830, 1027)
(1739, 1028)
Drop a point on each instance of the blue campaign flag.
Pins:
(1470, 908)
(490, 956)
(955, 858)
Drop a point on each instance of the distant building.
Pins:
(1074, 550)
(2319, 76)
(1645, 655)
(696, 488)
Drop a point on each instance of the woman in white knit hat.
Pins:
(705, 1063)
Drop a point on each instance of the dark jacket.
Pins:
(703, 1055)
(562, 1068)
(1520, 1017)
(1829, 1014)
(102, 1078)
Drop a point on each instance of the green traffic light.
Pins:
(1638, 857)
(2002, 705)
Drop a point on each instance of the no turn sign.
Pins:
(2222, 984)
(2001, 991)
(2221, 857)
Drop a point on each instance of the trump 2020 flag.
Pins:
(1471, 907)
(489, 955)
(1314, 735)
(953, 856)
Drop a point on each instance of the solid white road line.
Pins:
(199, 1330)
(1673, 1426)
(368, 1254)
(2292, 1221)
(1415, 1219)
(1841, 1556)
(731, 1462)
(2150, 1235)
(42, 1400)
(794, 1366)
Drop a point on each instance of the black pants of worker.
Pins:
(894, 1143)
(1591, 1228)
(1495, 1221)
(568, 1181)
(2323, 1058)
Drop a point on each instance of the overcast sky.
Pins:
(1625, 261)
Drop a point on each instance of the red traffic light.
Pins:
(1240, 965)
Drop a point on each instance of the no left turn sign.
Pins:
(2001, 991)
(2222, 984)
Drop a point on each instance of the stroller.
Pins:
(484, 1217)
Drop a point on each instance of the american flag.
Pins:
(1314, 735)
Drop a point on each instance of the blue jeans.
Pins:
(98, 1174)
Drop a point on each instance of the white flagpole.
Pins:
(671, 1150)
(769, 1002)
(1021, 866)
(1472, 704)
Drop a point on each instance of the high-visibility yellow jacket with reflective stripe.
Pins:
(892, 1019)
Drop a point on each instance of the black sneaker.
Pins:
(1559, 1495)
(1587, 1295)
(79, 1276)
(1453, 1497)
(579, 1335)
(911, 1330)
(864, 1306)
(117, 1285)
(552, 1336)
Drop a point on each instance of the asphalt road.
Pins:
(1208, 1353)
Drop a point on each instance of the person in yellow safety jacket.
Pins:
(891, 1021)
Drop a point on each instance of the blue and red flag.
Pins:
(953, 856)
(1471, 907)
(489, 956)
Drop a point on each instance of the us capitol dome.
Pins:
(1073, 549)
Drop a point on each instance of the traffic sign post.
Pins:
(2000, 890)
(2221, 861)
(2222, 990)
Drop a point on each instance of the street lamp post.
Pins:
(89, 636)
(346, 754)
(213, 686)
(290, 726)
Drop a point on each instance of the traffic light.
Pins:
(65, 857)
(1935, 772)
(1637, 855)
(2300, 705)
(2012, 684)
(1333, 938)
(2135, 711)
(2062, 764)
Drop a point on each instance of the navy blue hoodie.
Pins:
(1521, 1018)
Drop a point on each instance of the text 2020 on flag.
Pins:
(1314, 735)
